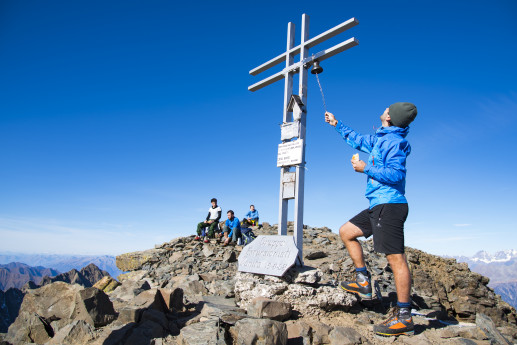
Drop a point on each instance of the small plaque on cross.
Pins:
(290, 130)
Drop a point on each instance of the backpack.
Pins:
(247, 236)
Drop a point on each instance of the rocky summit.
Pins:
(188, 292)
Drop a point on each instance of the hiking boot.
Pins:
(396, 324)
(361, 287)
(197, 238)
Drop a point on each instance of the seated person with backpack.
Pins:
(211, 221)
(232, 229)
(252, 216)
(247, 233)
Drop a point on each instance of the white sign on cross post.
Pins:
(291, 153)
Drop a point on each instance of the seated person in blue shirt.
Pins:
(252, 216)
(232, 229)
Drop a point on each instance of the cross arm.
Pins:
(320, 56)
(309, 44)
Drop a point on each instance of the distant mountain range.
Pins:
(487, 258)
(63, 263)
(500, 267)
(16, 275)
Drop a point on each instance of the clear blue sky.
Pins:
(119, 120)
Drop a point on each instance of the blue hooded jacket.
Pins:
(386, 166)
(252, 215)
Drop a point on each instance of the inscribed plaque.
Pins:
(290, 153)
(271, 255)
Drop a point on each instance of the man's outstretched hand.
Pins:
(358, 165)
(330, 119)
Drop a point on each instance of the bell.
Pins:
(316, 68)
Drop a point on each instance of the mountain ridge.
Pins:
(17, 274)
(500, 267)
(63, 263)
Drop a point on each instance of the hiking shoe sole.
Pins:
(367, 296)
(395, 334)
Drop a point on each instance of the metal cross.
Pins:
(298, 106)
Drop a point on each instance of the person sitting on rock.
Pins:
(252, 216)
(386, 171)
(211, 221)
(232, 229)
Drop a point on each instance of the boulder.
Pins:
(138, 260)
(313, 255)
(299, 332)
(129, 314)
(202, 333)
(307, 275)
(134, 275)
(345, 336)
(29, 327)
(130, 289)
(320, 332)
(266, 308)
(208, 250)
(77, 332)
(488, 326)
(208, 277)
(229, 256)
(259, 332)
(225, 313)
(106, 284)
(149, 299)
(94, 307)
(193, 288)
(173, 298)
(222, 288)
(53, 301)
(114, 335)
(144, 333)
(54, 306)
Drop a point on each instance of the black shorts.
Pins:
(386, 223)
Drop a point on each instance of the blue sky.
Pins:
(120, 120)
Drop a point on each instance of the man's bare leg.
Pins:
(361, 286)
(349, 234)
(402, 276)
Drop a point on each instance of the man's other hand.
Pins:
(330, 119)
(358, 165)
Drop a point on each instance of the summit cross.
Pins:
(292, 152)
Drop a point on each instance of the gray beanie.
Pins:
(402, 114)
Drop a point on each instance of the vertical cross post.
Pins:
(300, 168)
(288, 91)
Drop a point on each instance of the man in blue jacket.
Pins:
(384, 219)
(252, 216)
(232, 229)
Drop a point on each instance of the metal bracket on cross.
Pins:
(291, 153)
